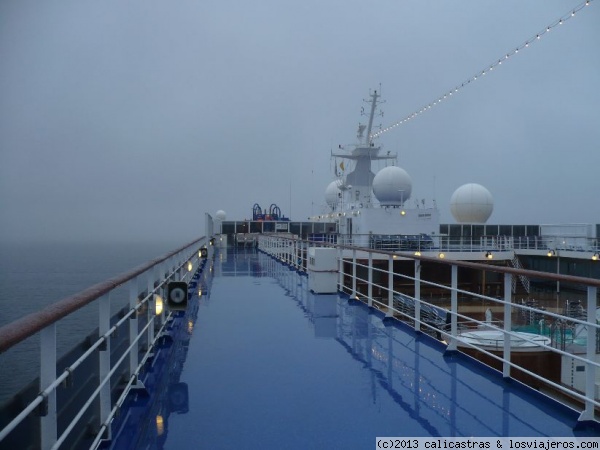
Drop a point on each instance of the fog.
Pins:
(130, 120)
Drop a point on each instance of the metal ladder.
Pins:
(516, 263)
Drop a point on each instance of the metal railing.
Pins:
(145, 285)
(569, 243)
(398, 242)
(358, 270)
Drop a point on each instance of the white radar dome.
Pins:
(332, 193)
(471, 203)
(392, 186)
(220, 215)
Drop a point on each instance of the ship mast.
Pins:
(357, 182)
(374, 97)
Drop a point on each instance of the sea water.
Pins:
(35, 275)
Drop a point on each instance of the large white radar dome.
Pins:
(471, 203)
(220, 215)
(332, 193)
(392, 186)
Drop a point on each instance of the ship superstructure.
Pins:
(363, 203)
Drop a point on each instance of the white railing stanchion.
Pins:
(354, 274)
(47, 377)
(341, 270)
(104, 356)
(390, 308)
(417, 295)
(294, 253)
(507, 324)
(150, 302)
(133, 325)
(590, 369)
(370, 281)
(453, 309)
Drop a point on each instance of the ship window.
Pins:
(357, 195)
(491, 230)
(444, 228)
(478, 230)
(228, 228)
(320, 228)
(295, 228)
(455, 230)
(518, 230)
(505, 230)
(533, 230)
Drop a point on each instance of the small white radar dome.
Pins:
(471, 203)
(392, 186)
(220, 215)
(332, 193)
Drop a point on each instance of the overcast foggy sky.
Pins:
(122, 119)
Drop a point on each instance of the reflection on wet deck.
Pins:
(264, 363)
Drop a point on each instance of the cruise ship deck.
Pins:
(258, 361)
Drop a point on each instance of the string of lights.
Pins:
(496, 64)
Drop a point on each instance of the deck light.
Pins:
(442, 256)
(551, 253)
(489, 255)
(596, 256)
(160, 425)
(417, 253)
(190, 266)
(158, 305)
(402, 213)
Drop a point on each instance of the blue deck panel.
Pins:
(264, 363)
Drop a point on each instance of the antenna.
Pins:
(374, 97)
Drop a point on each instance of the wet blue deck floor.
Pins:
(260, 362)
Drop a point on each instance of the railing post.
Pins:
(417, 295)
(370, 281)
(150, 309)
(390, 309)
(341, 271)
(295, 255)
(354, 274)
(47, 376)
(590, 369)
(453, 309)
(133, 325)
(507, 323)
(104, 356)
(158, 274)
